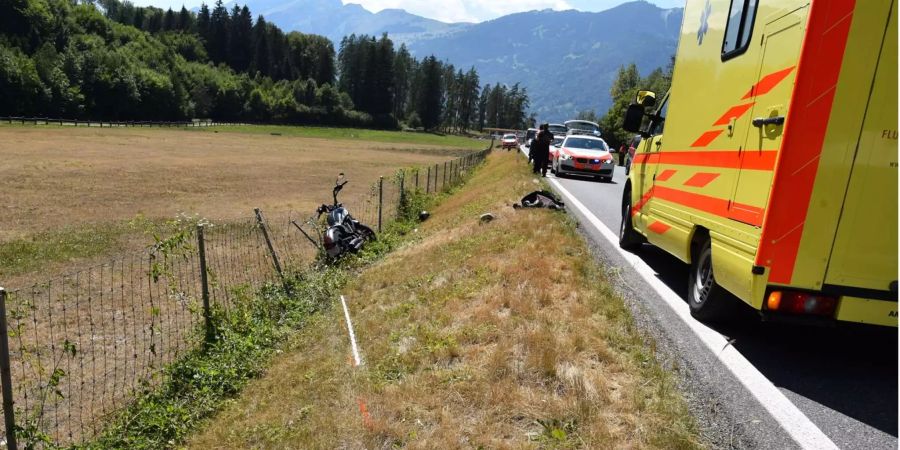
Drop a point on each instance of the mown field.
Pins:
(73, 196)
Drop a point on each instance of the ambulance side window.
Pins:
(739, 28)
(659, 122)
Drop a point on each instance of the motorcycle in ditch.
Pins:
(344, 233)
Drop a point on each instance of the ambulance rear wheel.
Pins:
(708, 301)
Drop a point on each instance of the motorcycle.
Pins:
(344, 233)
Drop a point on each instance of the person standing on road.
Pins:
(540, 150)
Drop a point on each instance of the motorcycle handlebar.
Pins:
(337, 188)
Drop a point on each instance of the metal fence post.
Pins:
(380, 200)
(265, 231)
(9, 415)
(417, 178)
(204, 285)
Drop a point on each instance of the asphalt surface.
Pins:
(844, 379)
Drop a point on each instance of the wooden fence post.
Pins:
(204, 285)
(380, 200)
(265, 231)
(6, 377)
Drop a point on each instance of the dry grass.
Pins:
(77, 189)
(504, 335)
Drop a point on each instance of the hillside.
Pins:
(335, 20)
(566, 59)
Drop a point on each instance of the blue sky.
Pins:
(454, 10)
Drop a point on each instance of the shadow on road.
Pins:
(850, 369)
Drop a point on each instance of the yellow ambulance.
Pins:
(771, 164)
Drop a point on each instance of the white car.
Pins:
(558, 129)
(583, 127)
(509, 141)
(584, 155)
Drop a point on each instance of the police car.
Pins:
(584, 155)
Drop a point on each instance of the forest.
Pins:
(112, 60)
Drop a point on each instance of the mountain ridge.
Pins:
(566, 59)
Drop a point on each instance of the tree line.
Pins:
(112, 60)
(391, 84)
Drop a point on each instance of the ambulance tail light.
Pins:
(793, 302)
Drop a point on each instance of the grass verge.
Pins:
(479, 335)
(355, 134)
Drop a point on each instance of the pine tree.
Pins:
(278, 56)
(139, 17)
(450, 96)
(154, 20)
(203, 22)
(469, 100)
(482, 107)
(217, 44)
(382, 83)
(403, 66)
(325, 70)
(240, 39)
(169, 20)
(260, 61)
(185, 20)
(431, 100)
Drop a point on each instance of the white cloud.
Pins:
(463, 10)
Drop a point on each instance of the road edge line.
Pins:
(793, 421)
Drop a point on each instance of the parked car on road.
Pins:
(509, 141)
(584, 155)
(582, 127)
(558, 129)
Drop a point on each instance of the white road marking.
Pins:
(792, 420)
(356, 358)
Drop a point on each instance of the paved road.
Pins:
(843, 379)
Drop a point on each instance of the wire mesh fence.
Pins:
(76, 349)
(114, 123)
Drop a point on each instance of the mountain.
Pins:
(566, 59)
(335, 20)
